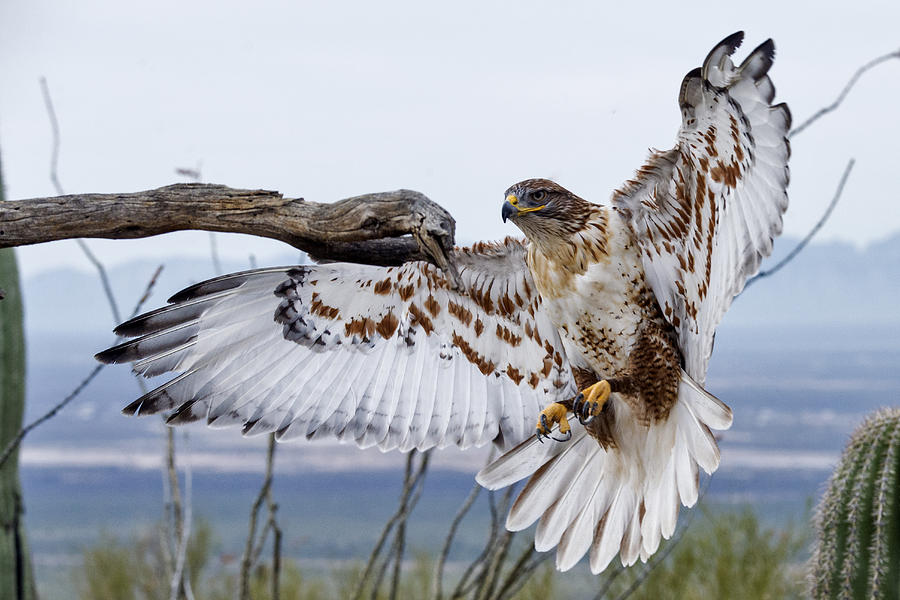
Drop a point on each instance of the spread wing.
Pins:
(390, 357)
(705, 213)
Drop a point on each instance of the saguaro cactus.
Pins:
(16, 579)
(857, 552)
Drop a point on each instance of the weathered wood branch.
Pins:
(385, 228)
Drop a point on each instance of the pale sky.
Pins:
(457, 100)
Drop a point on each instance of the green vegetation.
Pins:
(729, 555)
(726, 555)
(135, 570)
(857, 552)
(16, 580)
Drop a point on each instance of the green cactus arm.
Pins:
(16, 579)
(857, 554)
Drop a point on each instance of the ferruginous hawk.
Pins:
(596, 329)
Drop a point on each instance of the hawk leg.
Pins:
(554, 413)
(589, 402)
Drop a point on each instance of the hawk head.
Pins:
(544, 210)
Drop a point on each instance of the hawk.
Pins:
(595, 332)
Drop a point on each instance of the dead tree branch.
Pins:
(372, 228)
(837, 102)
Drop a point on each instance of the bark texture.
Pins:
(385, 228)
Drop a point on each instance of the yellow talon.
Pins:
(590, 401)
(554, 413)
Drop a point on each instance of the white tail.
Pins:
(618, 500)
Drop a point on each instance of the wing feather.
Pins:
(706, 212)
(389, 357)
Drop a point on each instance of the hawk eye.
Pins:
(538, 195)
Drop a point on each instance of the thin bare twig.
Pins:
(837, 102)
(178, 586)
(14, 443)
(398, 552)
(468, 581)
(275, 591)
(517, 580)
(793, 253)
(174, 509)
(195, 175)
(271, 521)
(54, 178)
(617, 570)
(513, 576)
(398, 540)
(214, 253)
(437, 581)
(408, 498)
(492, 556)
(488, 581)
(247, 559)
(400, 537)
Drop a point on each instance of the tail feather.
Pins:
(578, 537)
(687, 476)
(619, 500)
(708, 408)
(540, 491)
(563, 511)
(611, 529)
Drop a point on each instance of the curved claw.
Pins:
(580, 408)
(544, 430)
(586, 409)
(565, 439)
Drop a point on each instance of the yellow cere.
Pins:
(512, 199)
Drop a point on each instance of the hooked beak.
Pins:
(508, 211)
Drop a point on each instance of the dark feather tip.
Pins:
(733, 41)
(133, 408)
(135, 326)
(109, 356)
